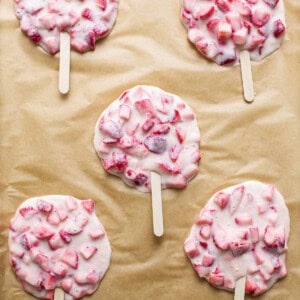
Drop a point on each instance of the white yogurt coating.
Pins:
(85, 20)
(220, 29)
(241, 231)
(147, 129)
(58, 241)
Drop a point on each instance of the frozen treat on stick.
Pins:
(85, 21)
(241, 232)
(57, 242)
(148, 130)
(223, 29)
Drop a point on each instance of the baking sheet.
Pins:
(46, 142)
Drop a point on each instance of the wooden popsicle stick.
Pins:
(64, 63)
(59, 294)
(158, 226)
(239, 291)
(247, 76)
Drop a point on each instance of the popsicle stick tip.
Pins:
(59, 294)
(64, 63)
(247, 76)
(157, 214)
(239, 291)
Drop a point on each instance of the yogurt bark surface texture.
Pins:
(85, 20)
(220, 29)
(147, 129)
(57, 241)
(242, 231)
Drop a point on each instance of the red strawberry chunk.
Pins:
(242, 8)
(72, 228)
(269, 236)
(17, 225)
(28, 241)
(71, 203)
(44, 206)
(126, 142)
(162, 129)
(49, 283)
(156, 144)
(70, 257)
(240, 37)
(224, 31)
(169, 169)
(216, 279)
(87, 251)
(93, 277)
(174, 152)
(203, 244)
(212, 25)
(250, 285)
(205, 232)
(55, 242)
(223, 5)
(109, 141)
(140, 179)
(191, 249)
(272, 3)
(34, 36)
(239, 248)
(96, 232)
(43, 261)
(111, 128)
(234, 20)
(176, 117)
(28, 212)
(124, 112)
(204, 12)
(260, 17)
(221, 199)
(62, 212)
(87, 14)
(60, 269)
(43, 232)
(268, 194)
(279, 28)
(53, 218)
(102, 4)
(207, 260)
(235, 199)
(65, 236)
(120, 161)
(66, 284)
(148, 124)
(17, 252)
(144, 106)
(180, 133)
(34, 279)
(220, 238)
(81, 219)
(88, 205)
(243, 219)
(205, 217)
(254, 234)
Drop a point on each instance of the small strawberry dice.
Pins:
(53, 218)
(168, 168)
(220, 238)
(17, 225)
(44, 206)
(28, 212)
(110, 128)
(180, 133)
(191, 249)
(216, 279)
(250, 285)
(235, 20)
(120, 161)
(223, 5)
(62, 212)
(148, 124)
(87, 251)
(240, 37)
(205, 232)
(269, 236)
(88, 205)
(144, 106)
(207, 260)
(80, 277)
(34, 279)
(72, 203)
(81, 219)
(43, 232)
(60, 269)
(271, 3)
(268, 193)
(96, 232)
(254, 234)
(65, 236)
(55, 242)
(156, 144)
(224, 31)
(70, 257)
(208, 47)
(72, 228)
(243, 219)
(87, 14)
(16, 252)
(162, 129)
(140, 179)
(66, 284)
(242, 8)
(174, 152)
(28, 241)
(239, 248)
(203, 12)
(221, 199)
(205, 217)
(102, 4)
(43, 261)
(177, 181)
(49, 283)
(93, 277)
(212, 25)
(203, 244)
(235, 199)
(259, 257)
(260, 17)
(125, 111)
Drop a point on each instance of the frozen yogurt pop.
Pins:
(58, 242)
(241, 232)
(222, 30)
(84, 21)
(147, 130)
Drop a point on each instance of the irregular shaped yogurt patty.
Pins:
(242, 231)
(85, 20)
(146, 130)
(57, 241)
(220, 29)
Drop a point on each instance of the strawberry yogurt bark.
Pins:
(241, 232)
(58, 241)
(148, 130)
(85, 20)
(220, 29)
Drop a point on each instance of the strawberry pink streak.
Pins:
(85, 20)
(220, 29)
(47, 254)
(233, 239)
(146, 130)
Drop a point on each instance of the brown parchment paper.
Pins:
(46, 142)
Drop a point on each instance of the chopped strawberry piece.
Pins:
(28, 212)
(16, 252)
(177, 181)
(243, 219)
(44, 206)
(34, 36)
(81, 219)
(216, 279)
(174, 152)
(102, 4)
(17, 225)
(140, 179)
(70, 257)
(269, 236)
(93, 277)
(268, 194)
(156, 144)
(180, 133)
(205, 217)
(65, 236)
(250, 285)
(254, 234)
(87, 251)
(235, 199)
(224, 31)
(43, 232)
(205, 232)
(124, 112)
(148, 124)
(162, 129)
(191, 249)
(240, 37)
(62, 212)
(239, 248)
(260, 17)
(195, 35)
(242, 8)
(43, 261)
(169, 169)
(235, 20)
(203, 244)
(223, 5)
(34, 279)
(55, 242)
(109, 141)
(66, 284)
(96, 232)
(72, 203)
(88, 205)
(252, 1)
(28, 241)
(207, 260)
(221, 199)
(101, 30)
(87, 14)
(204, 12)
(212, 25)
(144, 106)
(111, 128)
(271, 3)
(49, 283)
(53, 218)
(72, 228)
(259, 257)
(60, 269)
(208, 47)
(220, 238)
